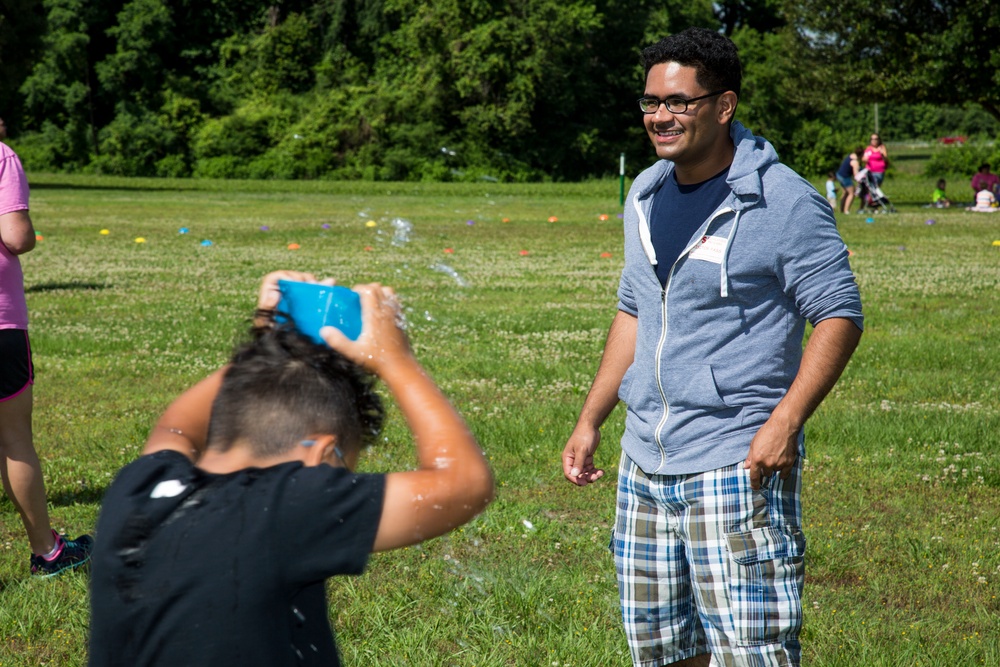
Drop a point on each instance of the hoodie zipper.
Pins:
(659, 377)
(663, 311)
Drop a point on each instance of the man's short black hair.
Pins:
(713, 55)
(282, 387)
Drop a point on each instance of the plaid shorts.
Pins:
(708, 565)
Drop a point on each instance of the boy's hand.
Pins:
(270, 293)
(382, 340)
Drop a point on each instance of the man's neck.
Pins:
(717, 159)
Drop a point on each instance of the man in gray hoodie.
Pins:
(728, 253)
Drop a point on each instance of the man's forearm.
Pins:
(830, 347)
(619, 352)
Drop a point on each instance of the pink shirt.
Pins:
(876, 161)
(983, 181)
(13, 197)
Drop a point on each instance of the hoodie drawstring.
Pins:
(724, 270)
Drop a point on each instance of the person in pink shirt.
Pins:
(51, 553)
(876, 158)
(984, 180)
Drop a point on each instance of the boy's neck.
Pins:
(239, 458)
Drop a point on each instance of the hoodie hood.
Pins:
(752, 156)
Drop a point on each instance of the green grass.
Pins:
(902, 508)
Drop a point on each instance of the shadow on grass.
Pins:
(89, 495)
(115, 183)
(75, 285)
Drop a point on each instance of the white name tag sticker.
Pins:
(710, 249)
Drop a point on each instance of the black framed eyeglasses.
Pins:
(650, 104)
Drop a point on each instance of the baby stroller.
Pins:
(871, 195)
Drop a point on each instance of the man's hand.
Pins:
(774, 448)
(578, 456)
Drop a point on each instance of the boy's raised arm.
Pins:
(453, 482)
(183, 427)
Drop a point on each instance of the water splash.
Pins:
(444, 268)
(402, 230)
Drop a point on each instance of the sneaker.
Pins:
(73, 554)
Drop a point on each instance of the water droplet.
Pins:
(444, 268)
(298, 615)
(402, 229)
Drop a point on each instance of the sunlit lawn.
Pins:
(902, 508)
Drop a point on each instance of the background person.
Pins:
(985, 180)
(847, 174)
(876, 158)
(831, 190)
(20, 468)
(727, 254)
(986, 202)
(216, 543)
(938, 198)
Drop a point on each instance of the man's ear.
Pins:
(320, 451)
(727, 106)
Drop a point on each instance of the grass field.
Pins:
(902, 482)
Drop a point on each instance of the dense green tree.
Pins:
(460, 89)
(943, 52)
(22, 23)
(60, 95)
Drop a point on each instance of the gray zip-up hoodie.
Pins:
(719, 346)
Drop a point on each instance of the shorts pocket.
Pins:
(766, 573)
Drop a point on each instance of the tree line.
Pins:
(463, 89)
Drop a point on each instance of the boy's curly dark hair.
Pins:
(281, 388)
(714, 57)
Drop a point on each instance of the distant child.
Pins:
(938, 198)
(986, 202)
(831, 189)
(215, 544)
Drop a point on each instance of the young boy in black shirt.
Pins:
(215, 545)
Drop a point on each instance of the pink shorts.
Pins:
(16, 370)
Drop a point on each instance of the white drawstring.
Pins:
(724, 270)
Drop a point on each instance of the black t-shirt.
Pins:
(191, 568)
(677, 213)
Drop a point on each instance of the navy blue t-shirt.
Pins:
(201, 570)
(677, 213)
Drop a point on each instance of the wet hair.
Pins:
(713, 55)
(282, 387)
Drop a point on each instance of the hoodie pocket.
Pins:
(692, 386)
